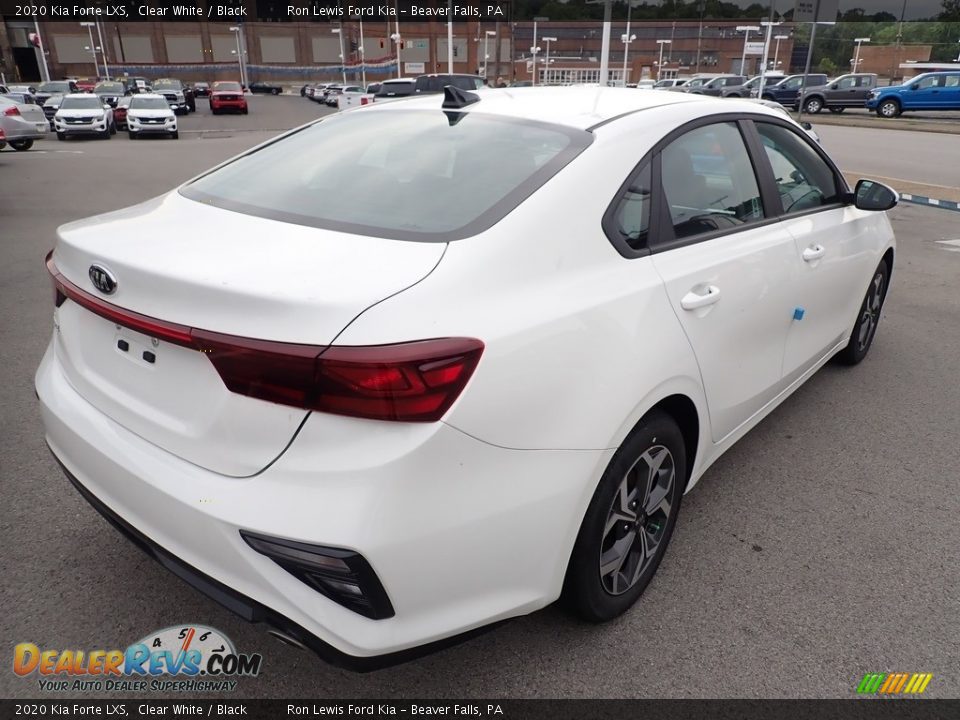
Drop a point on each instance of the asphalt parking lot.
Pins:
(823, 546)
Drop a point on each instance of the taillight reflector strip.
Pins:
(411, 382)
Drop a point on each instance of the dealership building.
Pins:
(297, 51)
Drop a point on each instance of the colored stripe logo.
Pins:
(894, 683)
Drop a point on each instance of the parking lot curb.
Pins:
(942, 127)
(931, 202)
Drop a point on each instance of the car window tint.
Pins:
(793, 84)
(709, 181)
(805, 181)
(632, 213)
(952, 81)
(847, 83)
(929, 82)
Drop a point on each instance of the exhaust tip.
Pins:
(287, 639)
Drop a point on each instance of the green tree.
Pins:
(951, 11)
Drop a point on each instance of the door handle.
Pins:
(693, 300)
(814, 253)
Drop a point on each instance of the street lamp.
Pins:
(627, 38)
(486, 55)
(235, 29)
(856, 55)
(661, 43)
(343, 62)
(776, 54)
(92, 48)
(546, 60)
(533, 51)
(396, 41)
(746, 39)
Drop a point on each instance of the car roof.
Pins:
(152, 96)
(577, 107)
(78, 95)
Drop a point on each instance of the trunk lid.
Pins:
(184, 262)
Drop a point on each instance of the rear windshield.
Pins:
(91, 102)
(148, 103)
(109, 88)
(402, 174)
(226, 87)
(55, 87)
(393, 89)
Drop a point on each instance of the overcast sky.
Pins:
(915, 8)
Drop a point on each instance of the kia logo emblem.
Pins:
(102, 279)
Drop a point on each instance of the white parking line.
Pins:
(954, 245)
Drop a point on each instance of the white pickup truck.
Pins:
(352, 98)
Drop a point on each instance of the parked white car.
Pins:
(377, 425)
(83, 114)
(22, 123)
(151, 114)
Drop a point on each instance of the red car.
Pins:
(120, 112)
(86, 85)
(227, 96)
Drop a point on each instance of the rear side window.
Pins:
(403, 174)
(395, 89)
(804, 180)
(709, 182)
(631, 217)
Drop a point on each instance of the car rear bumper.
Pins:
(460, 533)
(25, 130)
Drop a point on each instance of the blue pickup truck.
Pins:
(930, 91)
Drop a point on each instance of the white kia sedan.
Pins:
(423, 366)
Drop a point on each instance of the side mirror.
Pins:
(871, 195)
(915, 87)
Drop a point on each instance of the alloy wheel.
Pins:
(637, 520)
(870, 315)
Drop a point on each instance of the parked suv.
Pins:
(846, 91)
(426, 84)
(930, 91)
(55, 87)
(751, 88)
(787, 90)
(715, 87)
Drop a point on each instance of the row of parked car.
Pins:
(28, 113)
(344, 96)
(816, 92)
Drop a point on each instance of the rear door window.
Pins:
(709, 182)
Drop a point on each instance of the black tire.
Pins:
(214, 111)
(244, 111)
(175, 135)
(597, 596)
(132, 135)
(21, 145)
(837, 110)
(868, 318)
(889, 109)
(105, 135)
(113, 128)
(813, 105)
(275, 91)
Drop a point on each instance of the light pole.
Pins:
(546, 59)
(43, 54)
(343, 62)
(93, 47)
(627, 38)
(103, 52)
(533, 51)
(243, 80)
(776, 54)
(746, 39)
(396, 41)
(856, 55)
(535, 21)
(363, 60)
(661, 43)
(486, 55)
(769, 24)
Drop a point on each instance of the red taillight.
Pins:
(412, 382)
(12, 110)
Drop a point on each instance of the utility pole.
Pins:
(605, 43)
